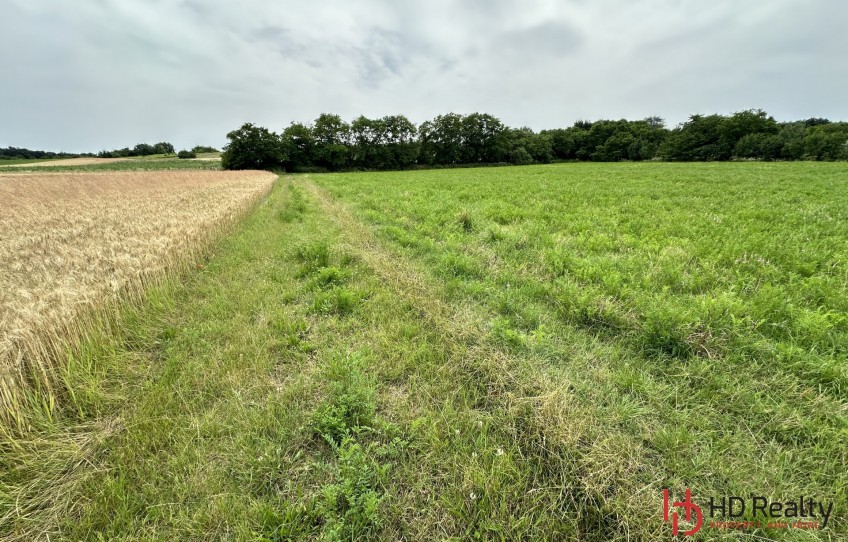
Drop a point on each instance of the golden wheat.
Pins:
(71, 244)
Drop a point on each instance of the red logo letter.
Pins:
(687, 505)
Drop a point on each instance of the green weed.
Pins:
(349, 405)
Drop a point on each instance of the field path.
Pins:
(200, 420)
(569, 460)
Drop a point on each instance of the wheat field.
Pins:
(73, 243)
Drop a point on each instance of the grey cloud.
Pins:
(547, 39)
(91, 75)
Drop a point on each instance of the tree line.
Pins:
(17, 153)
(142, 149)
(394, 142)
(146, 149)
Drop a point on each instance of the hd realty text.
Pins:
(735, 507)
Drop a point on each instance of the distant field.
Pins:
(209, 161)
(16, 161)
(67, 162)
(208, 156)
(516, 353)
(71, 242)
(121, 164)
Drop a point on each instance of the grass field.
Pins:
(525, 353)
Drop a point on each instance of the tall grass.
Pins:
(697, 314)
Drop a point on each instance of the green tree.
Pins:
(331, 136)
(399, 140)
(441, 139)
(479, 136)
(365, 137)
(298, 146)
(523, 146)
(163, 148)
(759, 146)
(827, 142)
(252, 147)
(698, 139)
(143, 149)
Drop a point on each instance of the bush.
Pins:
(184, 155)
(199, 149)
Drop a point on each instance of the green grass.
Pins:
(512, 353)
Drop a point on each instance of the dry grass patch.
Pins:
(72, 243)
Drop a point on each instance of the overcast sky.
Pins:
(84, 76)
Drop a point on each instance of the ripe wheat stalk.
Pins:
(72, 245)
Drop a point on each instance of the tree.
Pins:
(617, 147)
(441, 139)
(398, 138)
(331, 135)
(738, 125)
(714, 137)
(698, 139)
(570, 143)
(759, 146)
(298, 145)
(163, 148)
(252, 147)
(143, 149)
(827, 142)
(523, 146)
(649, 135)
(792, 136)
(365, 135)
(479, 134)
(393, 142)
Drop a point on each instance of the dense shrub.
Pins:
(184, 155)
(200, 149)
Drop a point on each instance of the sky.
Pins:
(104, 74)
